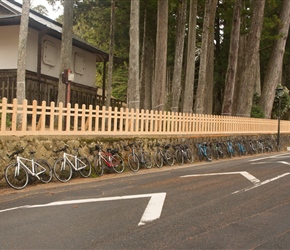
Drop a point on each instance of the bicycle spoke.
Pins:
(16, 177)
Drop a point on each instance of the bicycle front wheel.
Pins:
(98, 166)
(16, 177)
(118, 163)
(189, 156)
(84, 166)
(208, 154)
(169, 158)
(133, 162)
(158, 159)
(179, 157)
(147, 160)
(45, 175)
(62, 172)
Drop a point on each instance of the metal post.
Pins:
(279, 113)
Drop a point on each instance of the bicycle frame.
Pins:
(75, 166)
(20, 162)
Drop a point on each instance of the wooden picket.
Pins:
(23, 119)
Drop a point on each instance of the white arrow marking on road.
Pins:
(284, 162)
(152, 211)
(261, 183)
(250, 177)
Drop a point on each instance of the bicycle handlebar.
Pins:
(62, 149)
(16, 152)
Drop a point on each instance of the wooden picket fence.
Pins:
(23, 119)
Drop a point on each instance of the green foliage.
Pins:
(257, 112)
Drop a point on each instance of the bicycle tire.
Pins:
(179, 157)
(189, 156)
(133, 162)
(208, 154)
(85, 172)
(62, 172)
(147, 160)
(98, 166)
(169, 158)
(46, 176)
(118, 163)
(16, 180)
(216, 153)
(158, 159)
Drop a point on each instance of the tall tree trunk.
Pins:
(253, 44)
(158, 98)
(21, 63)
(178, 59)
(147, 68)
(111, 55)
(133, 89)
(233, 60)
(190, 65)
(210, 7)
(66, 48)
(274, 67)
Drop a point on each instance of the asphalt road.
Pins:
(242, 203)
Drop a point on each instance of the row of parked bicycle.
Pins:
(17, 173)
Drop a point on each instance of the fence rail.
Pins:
(23, 119)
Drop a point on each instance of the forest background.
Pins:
(222, 57)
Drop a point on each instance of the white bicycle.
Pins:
(17, 173)
(63, 167)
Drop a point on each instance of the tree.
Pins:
(111, 55)
(205, 54)
(233, 60)
(66, 48)
(274, 68)
(188, 92)
(178, 59)
(22, 44)
(158, 98)
(133, 82)
(244, 103)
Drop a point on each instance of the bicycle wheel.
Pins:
(208, 154)
(118, 163)
(98, 166)
(84, 166)
(46, 174)
(169, 158)
(62, 172)
(15, 177)
(133, 162)
(147, 160)
(216, 153)
(189, 156)
(179, 157)
(158, 159)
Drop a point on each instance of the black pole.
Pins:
(279, 111)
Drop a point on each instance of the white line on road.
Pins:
(250, 177)
(152, 211)
(268, 157)
(261, 183)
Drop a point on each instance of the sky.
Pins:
(53, 14)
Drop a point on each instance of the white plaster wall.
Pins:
(9, 48)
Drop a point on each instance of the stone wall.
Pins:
(44, 146)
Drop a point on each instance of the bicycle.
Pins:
(108, 160)
(230, 149)
(163, 155)
(204, 151)
(136, 158)
(260, 146)
(218, 150)
(183, 154)
(63, 167)
(17, 173)
(241, 148)
(252, 149)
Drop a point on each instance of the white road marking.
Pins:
(268, 157)
(250, 177)
(284, 162)
(261, 183)
(152, 211)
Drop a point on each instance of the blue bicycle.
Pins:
(241, 148)
(230, 149)
(204, 151)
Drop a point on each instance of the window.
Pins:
(79, 64)
(49, 53)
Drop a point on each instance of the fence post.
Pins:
(24, 115)
(60, 114)
(14, 114)
(3, 114)
(51, 122)
(68, 115)
(83, 118)
(97, 118)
